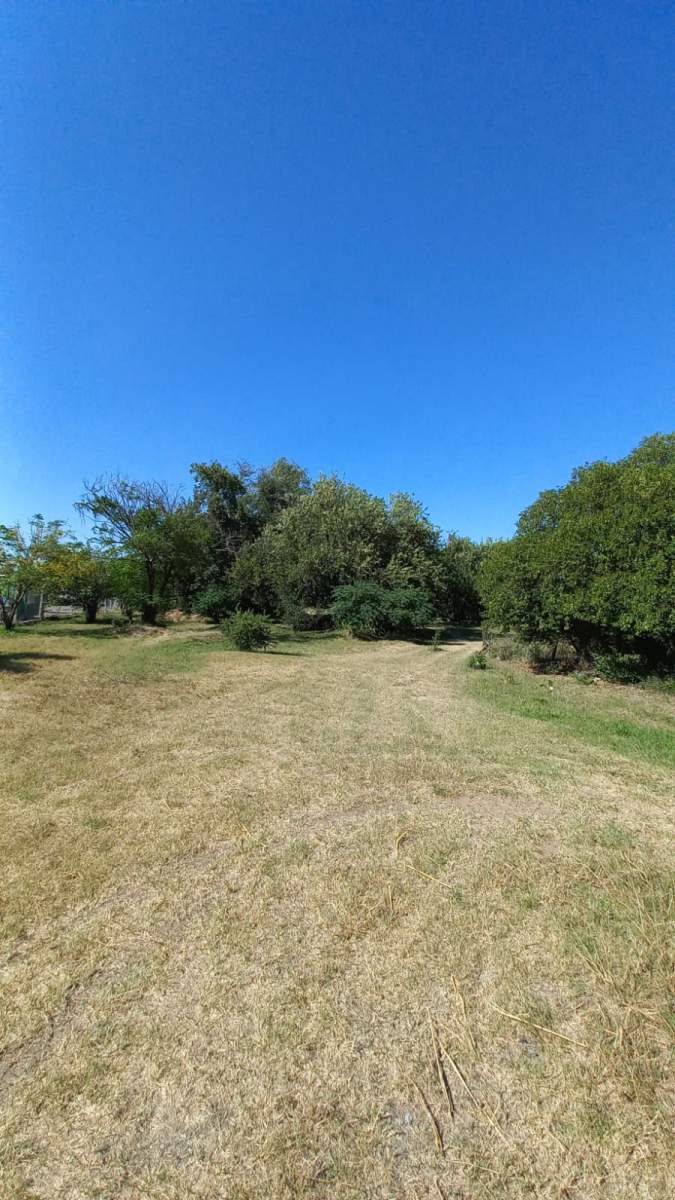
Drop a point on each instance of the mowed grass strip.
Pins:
(329, 921)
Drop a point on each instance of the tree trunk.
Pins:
(149, 612)
(90, 611)
(149, 607)
(9, 611)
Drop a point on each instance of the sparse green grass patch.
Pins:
(572, 710)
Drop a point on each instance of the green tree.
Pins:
(128, 583)
(81, 574)
(594, 561)
(274, 489)
(221, 495)
(337, 533)
(160, 530)
(414, 546)
(457, 595)
(369, 610)
(25, 562)
(238, 506)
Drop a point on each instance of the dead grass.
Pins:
(326, 922)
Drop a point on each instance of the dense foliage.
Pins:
(369, 610)
(83, 575)
(248, 631)
(25, 562)
(589, 574)
(593, 563)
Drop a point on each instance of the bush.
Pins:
(536, 654)
(360, 608)
(369, 610)
(213, 602)
(620, 668)
(505, 648)
(407, 609)
(304, 620)
(248, 631)
(119, 622)
(477, 661)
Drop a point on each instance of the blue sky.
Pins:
(427, 246)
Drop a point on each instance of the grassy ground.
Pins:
(339, 921)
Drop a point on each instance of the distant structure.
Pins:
(30, 609)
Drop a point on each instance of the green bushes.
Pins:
(477, 661)
(504, 647)
(305, 620)
(407, 609)
(248, 631)
(214, 602)
(368, 610)
(359, 608)
(620, 668)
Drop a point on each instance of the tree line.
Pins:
(591, 564)
(269, 541)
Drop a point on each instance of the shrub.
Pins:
(584, 677)
(477, 661)
(214, 602)
(505, 648)
(436, 640)
(248, 631)
(369, 610)
(119, 622)
(620, 668)
(359, 607)
(407, 609)
(536, 654)
(303, 619)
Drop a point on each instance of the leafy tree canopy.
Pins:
(594, 561)
(25, 561)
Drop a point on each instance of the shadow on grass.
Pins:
(449, 635)
(283, 634)
(18, 662)
(66, 629)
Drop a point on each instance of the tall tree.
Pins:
(25, 561)
(220, 494)
(594, 561)
(459, 569)
(158, 528)
(276, 488)
(334, 534)
(82, 574)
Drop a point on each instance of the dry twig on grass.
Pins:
(438, 1136)
(426, 875)
(481, 1107)
(440, 1069)
(542, 1028)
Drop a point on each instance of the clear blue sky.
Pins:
(425, 245)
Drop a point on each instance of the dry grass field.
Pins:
(339, 921)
